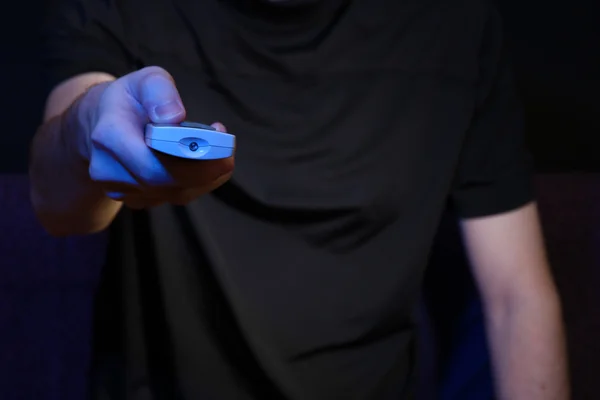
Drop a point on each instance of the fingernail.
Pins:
(219, 127)
(115, 196)
(168, 110)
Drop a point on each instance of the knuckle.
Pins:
(152, 174)
(101, 135)
(99, 138)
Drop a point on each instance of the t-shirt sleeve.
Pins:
(80, 36)
(495, 170)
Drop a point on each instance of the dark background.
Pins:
(47, 284)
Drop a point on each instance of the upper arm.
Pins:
(84, 42)
(493, 191)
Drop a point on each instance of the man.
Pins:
(357, 121)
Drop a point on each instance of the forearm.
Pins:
(63, 196)
(528, 347)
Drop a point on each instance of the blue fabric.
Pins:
(467, 373)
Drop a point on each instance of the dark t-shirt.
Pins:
(358, 122)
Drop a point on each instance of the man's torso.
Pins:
(297, 279)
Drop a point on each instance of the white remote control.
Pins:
(190, 140)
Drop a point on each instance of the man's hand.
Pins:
(523, 311)
(122, 164)
(90, 156)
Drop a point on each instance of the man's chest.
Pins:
(403, 73)
(372, 109)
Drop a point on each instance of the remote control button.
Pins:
(189, 124)
(193, 143)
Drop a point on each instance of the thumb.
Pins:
(155, 90)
